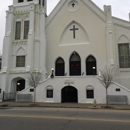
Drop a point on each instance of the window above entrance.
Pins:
(75, 64)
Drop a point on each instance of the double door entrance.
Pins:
(69, 95)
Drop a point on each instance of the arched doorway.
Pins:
(69, 94)
(75, 64)
(17, 84)
(91, 68)
(60, 65)
(20, 85)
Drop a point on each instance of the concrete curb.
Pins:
(63, 105)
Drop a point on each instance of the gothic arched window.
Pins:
(91, 67)
(60, 67)
(75, 64)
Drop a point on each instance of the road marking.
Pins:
(65, 118)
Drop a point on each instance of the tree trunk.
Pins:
(34, 94)
(106, 98)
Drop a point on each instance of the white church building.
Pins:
(77, 40)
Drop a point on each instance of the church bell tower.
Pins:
(36, 42)
(24, 40)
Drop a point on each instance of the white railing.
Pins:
(31, 87)
(122, 86)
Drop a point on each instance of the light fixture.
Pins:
(94, 68)
(52, 75)
(18, 83)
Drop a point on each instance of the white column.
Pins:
(7, 48)
(42, 41)
(29, 60)
(37, 41)
(110, 38)
(8, 40)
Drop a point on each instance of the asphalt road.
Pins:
(63, 119)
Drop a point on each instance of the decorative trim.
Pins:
(110, 28)
(75, 5)
(56, 13)
(4, 69)
(21, 12)
(93, 11)
(122, 26)
(19, 43)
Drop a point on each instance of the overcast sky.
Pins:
(120, 9)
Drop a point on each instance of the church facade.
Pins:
(77, 40)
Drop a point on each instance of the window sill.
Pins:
(124, 69)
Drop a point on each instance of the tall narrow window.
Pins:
(91, 68)
(60, 65)
(124, 55)
(26, 29)
(18, 30)
(20, 61)
(75, 64)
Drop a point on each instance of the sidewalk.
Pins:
(63, 105)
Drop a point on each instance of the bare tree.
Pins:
(33, 80)
(107, 77)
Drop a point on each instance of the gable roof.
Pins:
(88, 3)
